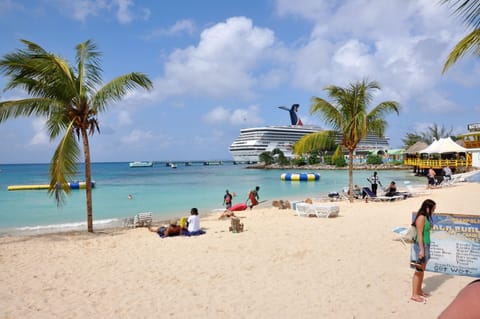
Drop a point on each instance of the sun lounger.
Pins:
(142, 219)
(318, 210)
(376, 198)
(416, 191)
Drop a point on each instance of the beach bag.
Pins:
(183, 222)
(410, 235)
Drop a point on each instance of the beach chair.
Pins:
(376, 198)
(316, 210)
(142, 219)
(416, 191)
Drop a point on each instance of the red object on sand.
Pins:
(238, 207)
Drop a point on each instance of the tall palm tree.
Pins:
(469, 11)
(348, 115)
(70, 98)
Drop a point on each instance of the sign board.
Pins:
(473, 127)
(455, 245)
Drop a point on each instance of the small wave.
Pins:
(54, 228)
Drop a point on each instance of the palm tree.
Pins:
(433, 132)
(70, 98)
(348, 115)
(469, 10)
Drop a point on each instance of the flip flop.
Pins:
(418, 299)
(426, 294)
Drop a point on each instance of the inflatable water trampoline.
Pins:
(302, 177)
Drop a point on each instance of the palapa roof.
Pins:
(416, 148)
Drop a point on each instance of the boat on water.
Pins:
(252, 142)
(140, 164)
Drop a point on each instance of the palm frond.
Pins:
(468, 10)
(25, 107)
(118, 88)
(88, 67)
(470, 44)
(63, 166)
(309, 143)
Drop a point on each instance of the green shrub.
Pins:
(374, 159)
(340, 161)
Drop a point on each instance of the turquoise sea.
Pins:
(164, 191)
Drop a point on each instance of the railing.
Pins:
(472, 144)
(438, 163)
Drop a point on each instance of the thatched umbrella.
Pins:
(417, 147)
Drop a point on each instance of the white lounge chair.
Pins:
(318, 210)
(416, 191)
(142, 219)
(378, 198)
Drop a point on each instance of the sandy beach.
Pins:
(281, 266)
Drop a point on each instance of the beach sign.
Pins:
(455, 245)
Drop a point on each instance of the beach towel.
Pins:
(193, 233)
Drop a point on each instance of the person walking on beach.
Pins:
(431, 178)
(253, 196)
(374, 180)
(227, 199)
(421, 248)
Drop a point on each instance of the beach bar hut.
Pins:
(441, 153)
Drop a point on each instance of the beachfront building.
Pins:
(441, 153)
(471, 141)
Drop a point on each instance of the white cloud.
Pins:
(124, 118)
(124, 15)
(81, 10)
(9, 5)
(222, 64)
(180, 27)
(137, 137)
(40, 136)
(221, 115)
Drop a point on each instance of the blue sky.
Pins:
(219, 66)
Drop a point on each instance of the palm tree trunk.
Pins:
(350, 176)
(88, 180)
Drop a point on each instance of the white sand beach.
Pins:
(281, 266)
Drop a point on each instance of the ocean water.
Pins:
(164, 191)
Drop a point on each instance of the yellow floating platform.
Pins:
(73, 185)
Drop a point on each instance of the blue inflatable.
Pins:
(302, 177)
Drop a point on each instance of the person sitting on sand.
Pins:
(193, 223)
(171, 230)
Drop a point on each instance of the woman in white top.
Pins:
(193, 221)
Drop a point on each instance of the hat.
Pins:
(173, 222)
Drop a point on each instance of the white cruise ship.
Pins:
(254, 141)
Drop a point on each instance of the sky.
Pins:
(219, 66)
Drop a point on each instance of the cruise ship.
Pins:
(254, 141)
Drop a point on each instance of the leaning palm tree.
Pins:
(70, 98)
(469, 11)
(348, 115)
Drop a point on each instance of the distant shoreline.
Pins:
(362, 167)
